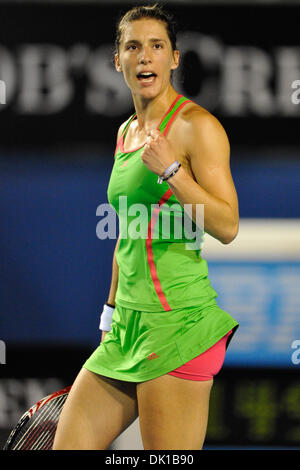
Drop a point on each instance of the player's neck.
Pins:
(150, 111)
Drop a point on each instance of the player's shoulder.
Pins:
(120, 130)
(198, 124)
(194, 116)
(122, 127)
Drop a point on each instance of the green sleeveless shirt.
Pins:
(160, 266)
(158, 273)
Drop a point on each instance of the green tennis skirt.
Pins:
(143, 345)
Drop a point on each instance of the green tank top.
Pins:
(160, 267)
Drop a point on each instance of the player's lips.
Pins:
(146, 78)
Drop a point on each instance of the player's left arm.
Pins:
(208, 152)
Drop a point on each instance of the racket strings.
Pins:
(41, 427)
(45, 440)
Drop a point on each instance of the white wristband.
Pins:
(106, 318)
(174, 166)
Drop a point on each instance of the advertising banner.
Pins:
(58, 84)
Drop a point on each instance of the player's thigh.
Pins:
(173, 412)
(96, 411)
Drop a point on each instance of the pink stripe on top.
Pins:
(149, 249)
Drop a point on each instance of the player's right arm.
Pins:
(115, 267)
(114, 282)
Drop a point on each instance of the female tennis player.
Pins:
(166, 336)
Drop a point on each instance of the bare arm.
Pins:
(114, 277)
(114, 282)
(206, 146)
(208, 149)
(115, 267)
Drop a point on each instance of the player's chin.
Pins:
(149, 92)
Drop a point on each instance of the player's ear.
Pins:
(117, 63)
(176, 58)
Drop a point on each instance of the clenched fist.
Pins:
(158, 153)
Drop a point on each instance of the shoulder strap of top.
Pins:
(124, 131)
(126, 127)
(165, 122)
(168, 118)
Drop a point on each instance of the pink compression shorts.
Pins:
(206, 365)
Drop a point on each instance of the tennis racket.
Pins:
(36, 429)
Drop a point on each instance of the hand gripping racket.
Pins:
(36, 429)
